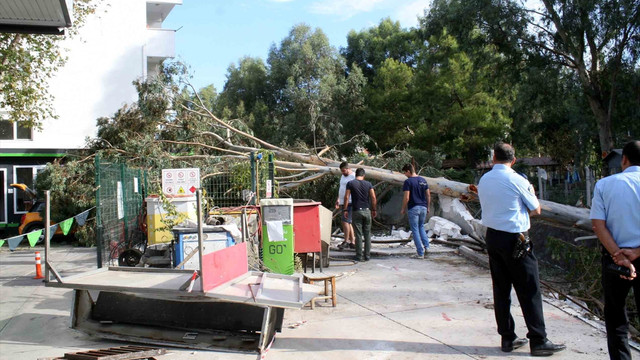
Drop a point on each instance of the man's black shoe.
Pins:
(547, 348)
(510, 345)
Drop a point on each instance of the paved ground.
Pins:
(391, 307)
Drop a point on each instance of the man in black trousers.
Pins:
(363, 200)
(507, 200)
(615, 216)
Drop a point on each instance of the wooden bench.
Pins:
(312, 278)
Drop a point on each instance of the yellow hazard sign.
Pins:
(181, 190)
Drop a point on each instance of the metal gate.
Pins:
(120, 212)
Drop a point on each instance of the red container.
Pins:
(306, 227)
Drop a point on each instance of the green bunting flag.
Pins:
(33, 237)
(66, 226)
(1, 243)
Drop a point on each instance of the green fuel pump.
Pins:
(277, 235)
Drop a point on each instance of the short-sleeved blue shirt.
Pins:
(616, 200)
(417, 187)
(506, 200)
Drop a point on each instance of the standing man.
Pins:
(615, 216)
(347, 229)
(507, 200)
(363, 200)
(417, 197)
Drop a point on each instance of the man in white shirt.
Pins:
(347, 228)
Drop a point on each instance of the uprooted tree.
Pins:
(191, 135)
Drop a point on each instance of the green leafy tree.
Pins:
(27, 62)
(371, 47)
(307, 77)
(460, 110)
(390, 111)
(245, 95)
(596, 40)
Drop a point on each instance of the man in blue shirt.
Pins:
(615, 216)
(417, 197)
(363, 201)
(507, 199)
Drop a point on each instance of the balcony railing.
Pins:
(161, 43)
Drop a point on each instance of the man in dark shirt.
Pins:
(416, 204)
(363, 202)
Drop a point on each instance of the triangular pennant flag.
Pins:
(52, 230)
(82, 217)
(66, 225)
(1, 243)
(15, 241)
(33, 237)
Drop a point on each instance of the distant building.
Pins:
(123, 41)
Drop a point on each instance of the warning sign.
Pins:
(180, 181)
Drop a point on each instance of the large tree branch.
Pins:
(204, 146)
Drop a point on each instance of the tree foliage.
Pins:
(27, 62)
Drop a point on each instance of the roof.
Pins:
(613, 153)
(36, 17)
(533, 161)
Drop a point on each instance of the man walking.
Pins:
(507, 200)
(363, 200)
(347, 229)
(415, 202)
(615, 216)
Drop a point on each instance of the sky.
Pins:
(214, 34)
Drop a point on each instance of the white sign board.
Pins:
(180, 181)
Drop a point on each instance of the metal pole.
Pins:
(252, 158)
(271, 186)
(540, 189)
(98, 214)
(200, 235)
(587, 175)
(123, 182)
(47, 232)
(243, 223)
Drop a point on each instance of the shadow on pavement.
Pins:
(332, 344)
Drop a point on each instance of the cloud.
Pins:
(344, 8)
(408, 14)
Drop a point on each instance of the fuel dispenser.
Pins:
(277, 235)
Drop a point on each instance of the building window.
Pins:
(13, 131)
(24, 175)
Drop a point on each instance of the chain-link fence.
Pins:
(234, 184)
(120, 214)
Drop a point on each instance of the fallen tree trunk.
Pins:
(552, 212)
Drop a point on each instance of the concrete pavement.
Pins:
(391, 307)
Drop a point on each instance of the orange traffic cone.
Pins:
(38, 267)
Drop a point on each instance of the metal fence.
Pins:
(120, 214)
(234, 184)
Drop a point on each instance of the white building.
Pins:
(122, 41)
